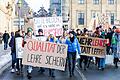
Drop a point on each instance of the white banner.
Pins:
(45, 54)
(49, 24)
(19, 48)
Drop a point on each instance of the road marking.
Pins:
(80, 73)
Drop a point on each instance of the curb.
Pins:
(5, 67)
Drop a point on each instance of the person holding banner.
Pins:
(73, 47)
(101, 61)
(18, 34)
(41, 37)
(29, 36)
(51, 38)
(85, 58)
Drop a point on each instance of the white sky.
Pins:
(36, 4)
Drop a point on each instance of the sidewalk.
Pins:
(5, 58)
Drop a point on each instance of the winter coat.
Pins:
(12, 44)
(73, 47)
(6, 37)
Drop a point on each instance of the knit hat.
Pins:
(29, 29)
(103, 33)
(72, 32)
(40, 30)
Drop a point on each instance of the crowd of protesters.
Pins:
(69, 38)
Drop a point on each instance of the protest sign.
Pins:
(92, 46)
(49, 24)
(19, 48)
(45, 54)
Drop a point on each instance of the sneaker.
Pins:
(99, 68)
(16, 70)
(13, 70)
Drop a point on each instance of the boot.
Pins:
(18, 72)
(29, 75)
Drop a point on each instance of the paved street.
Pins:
(37, 76)
(2, 51)
(110, 73)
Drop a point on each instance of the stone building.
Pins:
(82, 12)
(7, 9)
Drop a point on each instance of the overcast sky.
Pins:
(36, 4)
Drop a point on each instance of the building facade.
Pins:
(65, 13)
(83, 12)
(57, 6)
(23, 10)
(41, 13)
(7, 9)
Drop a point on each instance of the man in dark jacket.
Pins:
(5, 39)
(13, 51)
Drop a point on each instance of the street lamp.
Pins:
(19, 4)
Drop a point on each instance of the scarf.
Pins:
(72, 39)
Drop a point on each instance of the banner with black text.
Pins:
(45, 54)
(91, 46)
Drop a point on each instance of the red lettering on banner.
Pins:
(56, 31)
(41, 46)
(101, 42)
(105, 42)
(96, 42)
(28, 45)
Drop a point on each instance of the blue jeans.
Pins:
(71, 61)
(101, 63)
(5, 45)
(115, 51)
(13, 60)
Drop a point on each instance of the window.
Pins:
(95, 1)
(112, 17)
(81, 1)
(110, 1)
(95, 14)
(80, 18)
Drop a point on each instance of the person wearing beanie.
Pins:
(41, 37)
(73, 47)
(40, 32)
(29, 36)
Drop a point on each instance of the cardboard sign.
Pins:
(49, 24)
(19, 48)
(45, 54)
(92, 46)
